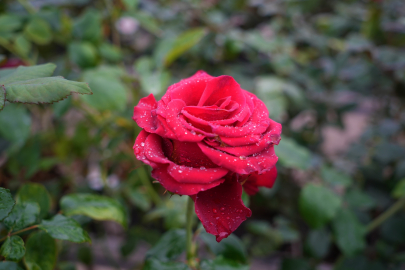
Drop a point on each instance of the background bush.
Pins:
(332, 72)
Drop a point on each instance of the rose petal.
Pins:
(237, 141)
(139, 148)
(260, 163)
(257, 123)
(191, 175)
(189, 90)
(248, 150)
(168, 182)
(143, 113)
(255, 180)
(190, 154)
(149, 149)
(220, 87)
(221, 209)
(210, 113)
(172, 113)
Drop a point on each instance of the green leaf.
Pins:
(83, 54)
(220, 263)
(170, 246)
(28, 73)
(318, 205)
(110, 52)
(6, 71)
(15, 125)
(139, 199)
(13, 248)
(393, 229)
(152, 82)
(230, 248)
(277, 93)
(349, 233)
(295, 264)
(2, 97)
(130, 4)
(44, 90)
(95, 206)
(154, 264)
(10, 22)
(292, 155)
(334, 177)
(399, 189)
(89, 26)
(170, 49)
(358, 199)
(41, 251)
(63, 228)
(22, 216)
(22, 45)
(6, 203)
(39, 31)
(9, 266)
(318, 243)
(36, 193)
(109, 91)
(147, 21)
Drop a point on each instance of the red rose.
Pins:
(12, 62)
(207, 138)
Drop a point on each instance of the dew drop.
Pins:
(214, 210)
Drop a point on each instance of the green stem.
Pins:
(387, 214)
(189, 231)
(17, 232)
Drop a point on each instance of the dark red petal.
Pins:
(255, 180)
(168, 182)
(139, 148)
(190, 175)
(143, 114)
(221, 87)
(189, 154)
(172, 113)
(196, 127)
(260, 163)
(221, 209)
(237, 141)
(189, 90)
(153, 150)
(211, 113)
(266, 179)
(149, 149)
(250, 149)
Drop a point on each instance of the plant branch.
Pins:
(17, 232)
(387, 214)
(190, 249)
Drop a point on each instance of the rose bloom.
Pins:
(208, 138)
(12, 62)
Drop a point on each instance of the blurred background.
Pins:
(332, 72)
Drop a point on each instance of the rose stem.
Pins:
(189, 231)
(387, 214)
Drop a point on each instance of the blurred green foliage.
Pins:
(332, 72)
